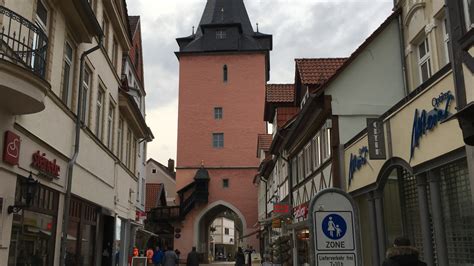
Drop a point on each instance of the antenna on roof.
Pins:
(257, 26)
(193, 30)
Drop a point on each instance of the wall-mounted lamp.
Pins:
(28, 187)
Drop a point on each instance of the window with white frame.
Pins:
(218, 140)
(327, 147)
(128, 148)
(114, 53)
(110, 126)
(424, 60)
(120, 139)
(445, 40)
(300, 167)
(134, 155)
(86, 90)
(42, 16)
(469, 13)
(67, 74)
(99, 112)
(138, 187)
(316, 154)
(218, 113)
(105, 30)
(221, 34)
(307, 160)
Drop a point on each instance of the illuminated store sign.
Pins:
(357, 161)
(425, 121)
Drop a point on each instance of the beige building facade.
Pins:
(422, 186)
(40, 58)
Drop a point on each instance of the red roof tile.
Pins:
(317, 70)
(280, 93)
(264, 142)
(152, 193)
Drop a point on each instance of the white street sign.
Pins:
(334, 229)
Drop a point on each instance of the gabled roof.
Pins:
(165, 169)
(317, 70)
(231, 17)
(279, 93)
(155, 196)
(263, 143)
(133, 20)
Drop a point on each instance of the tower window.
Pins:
(218, 113)
(225, 73)
(221, 34)
(218, 140)
(225, 183)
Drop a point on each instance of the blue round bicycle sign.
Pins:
(334, 226)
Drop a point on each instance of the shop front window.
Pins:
(302, 245)
(71, 248)
(32, 239)
(33, 229)
(458, 212)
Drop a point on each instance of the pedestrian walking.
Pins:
(193, 258)
(170, 258)
(249, 252)
(149, 255)
(158, 256)
(402, 254)
(239, 257)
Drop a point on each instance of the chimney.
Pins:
(171, 165)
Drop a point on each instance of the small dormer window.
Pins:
(221, 34)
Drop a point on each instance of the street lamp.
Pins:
(28, 189)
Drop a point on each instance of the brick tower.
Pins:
(223, 68)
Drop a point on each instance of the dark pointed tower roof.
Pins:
(224, 26)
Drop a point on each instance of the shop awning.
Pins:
(146, 231)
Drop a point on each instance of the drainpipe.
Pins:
(72, 161)
(402, 55)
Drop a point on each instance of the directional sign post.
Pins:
(334, 224)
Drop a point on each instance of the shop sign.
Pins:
(334, 229)
(140, 216)
(45, 166)
(425, 121)
(357, 161)
(11, 148)
(276, 223)
(376, 137)
(281, 208)
(301, 211)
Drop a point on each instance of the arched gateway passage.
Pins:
(205, 237)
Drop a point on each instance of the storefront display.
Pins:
(302, 246)
(33, 230)
(81, 236)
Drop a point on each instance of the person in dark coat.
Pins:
(193, 258)
(239, 257)
(402, 254)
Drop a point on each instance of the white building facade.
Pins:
(42, 86)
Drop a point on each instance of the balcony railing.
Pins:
(22, 42)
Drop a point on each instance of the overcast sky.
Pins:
(300, 28)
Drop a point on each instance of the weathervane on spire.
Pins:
(193, 30)
(257, 27)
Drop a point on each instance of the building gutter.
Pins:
(72, 161)
(402, 55)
